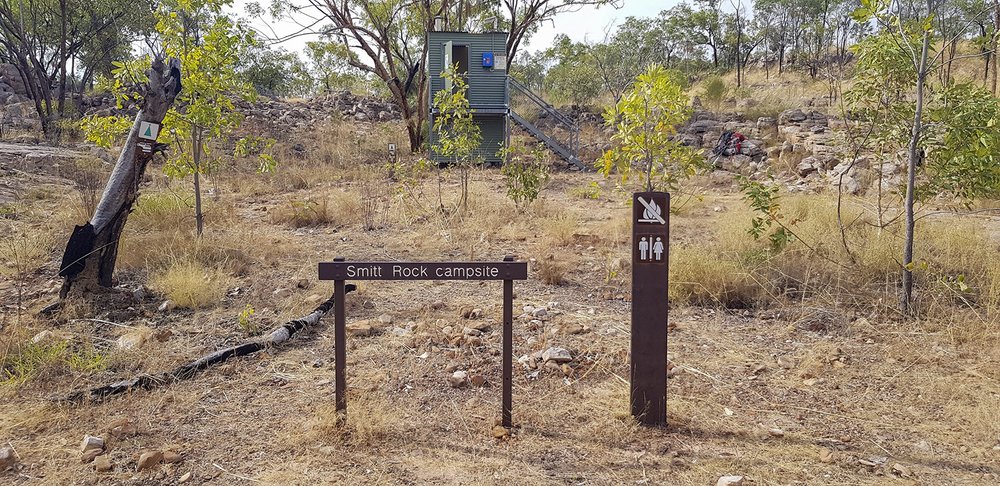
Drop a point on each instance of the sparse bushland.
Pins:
(730, 269)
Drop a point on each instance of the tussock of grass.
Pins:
(371, 422)
(339, 208)
(560, 228)
(552, 270)
(956, 264)
(190, 284)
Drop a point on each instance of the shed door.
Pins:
(447, 64)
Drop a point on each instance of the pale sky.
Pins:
(589, 23)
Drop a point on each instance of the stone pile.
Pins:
(305, 114)
(804, 147)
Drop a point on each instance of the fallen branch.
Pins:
(276, 337)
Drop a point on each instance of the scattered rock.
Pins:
(171, 457)
(167, 306)
(90, 455)
(7, 458)
(123, 428)
(468, 331)
(359, 329)
(567, 370)
(458, 379)
(786, 363)
(44, 337)
(575, 328)
(149, 460)
(500, 432)
(540, 313)
(184, 478)
(102, 463)
(827, 456)
(282, 293)
(901, 470)
(133, 339)
(302, 283)
(91, 443)
(385, 319)
(478, 380)
(805, 168)
(558, 355)
(776, 432)
(730, 481)
(162, 335)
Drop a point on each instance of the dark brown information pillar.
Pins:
(508, 348)
(650, 234)
(340, 344)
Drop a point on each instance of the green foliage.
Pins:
(524, 173)
(589, 191)
(88, 361)
(330, 67)
(960, 139)
(763, 200)
(575, 76)
(715, 91)
(458, 136)
(645, 122)
(246, 321)
(275, 72)
(209, 45)
(253, 145)
(105, 131)
(962, 144)
(30, 360)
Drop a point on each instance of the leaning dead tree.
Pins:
(89, 260)
(276, 337)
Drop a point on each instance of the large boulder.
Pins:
(791, 116)
(12, 78)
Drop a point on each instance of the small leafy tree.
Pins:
(715, 91)
(948, 132)
(209, 45)
(645, 122)
(458, 136)
(524, 173)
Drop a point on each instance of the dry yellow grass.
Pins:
(190, 284)
(739, 374)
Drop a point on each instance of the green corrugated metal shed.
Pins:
(487, 85)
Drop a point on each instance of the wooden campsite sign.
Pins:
(340, 270)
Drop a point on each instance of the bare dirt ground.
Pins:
(798, 393)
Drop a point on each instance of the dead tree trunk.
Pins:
(276, 337)
(89, 260)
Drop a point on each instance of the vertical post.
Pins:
(650, 236)
(340, 344)
(508, 347)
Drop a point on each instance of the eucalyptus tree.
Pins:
(43, 38)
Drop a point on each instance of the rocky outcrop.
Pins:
(305, 114)
(12, 89)
(804, 148)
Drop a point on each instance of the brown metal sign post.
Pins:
(650, 236)
(339, 271)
